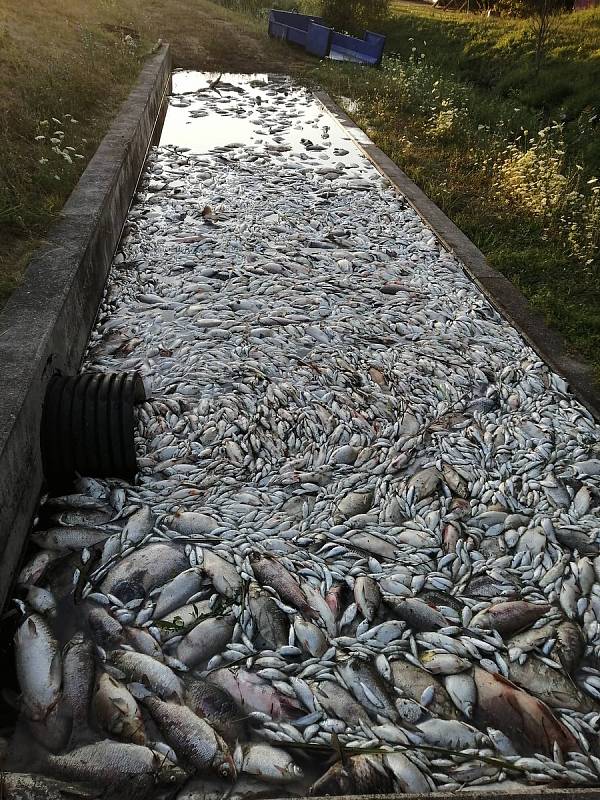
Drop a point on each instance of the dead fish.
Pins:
(414, 681)
(440, 663)
(107, 762)
(133, 576)
(106, 630)
(76, 501)
(116, 710)
(271, 764)
(78, 678)
(206, 639)
(41, 600)
(485, 586)
(178, 591)
(362, 774)
(251, 693)
(39, 667)
(215, 705)
(192, 738)
(367, 596)
(72, 538)
(548, 684)
(364, 682)
(526, 720)
(451, 733)
(461, 688)
(143, 642)
(35, 569)
(575, 539)
(569, 645)
(407, 777)
(271, 573)
(88, 518)
(191, 523)
(454, 481)
(270, 620)
(509, 617)
(528, 640)
(24, 786)
(139, 524)
(223, 575)
(354, 503)
(425, 482)
(417, 614)
(371, 543)
(148, 671)
(310, 638)
(339, 703)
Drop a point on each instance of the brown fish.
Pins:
(356, 775)
(529, 722)
(272, 573)
(509, 617)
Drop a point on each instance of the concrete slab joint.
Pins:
(45, 324)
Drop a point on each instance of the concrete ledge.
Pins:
(510, 302)
(45, 324)
(533, 793)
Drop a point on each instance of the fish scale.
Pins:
(343, 440)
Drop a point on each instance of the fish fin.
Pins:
(339, 749)
(138, 690)
(238, 757)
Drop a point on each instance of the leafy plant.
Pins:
(356, 15)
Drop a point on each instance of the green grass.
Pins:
(81, 57)
(448, 112)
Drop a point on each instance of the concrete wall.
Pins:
(45, 325)
(509, 301)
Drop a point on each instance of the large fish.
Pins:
(142, 570)
(116, 710)
(107, 762)
(271, 573)
(362, 774)
(271, 622)
(191, 737)
(526, 720)
(147, 670)
(252, 693)
(206, 639)
(39, 667)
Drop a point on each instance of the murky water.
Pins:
(202, 118)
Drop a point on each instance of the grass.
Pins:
(80, 58)
(457, 104)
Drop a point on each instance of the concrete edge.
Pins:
(533, 793)
(45, 325)
(550, 345)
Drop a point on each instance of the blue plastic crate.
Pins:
(316, 38)
(302, 29)
(368, 50)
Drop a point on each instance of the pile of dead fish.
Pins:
(361, 554)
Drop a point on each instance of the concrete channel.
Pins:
(265, 268)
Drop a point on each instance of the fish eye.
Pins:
(225, 770)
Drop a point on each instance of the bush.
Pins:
(354, 16)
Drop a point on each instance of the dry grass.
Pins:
(80, 58)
